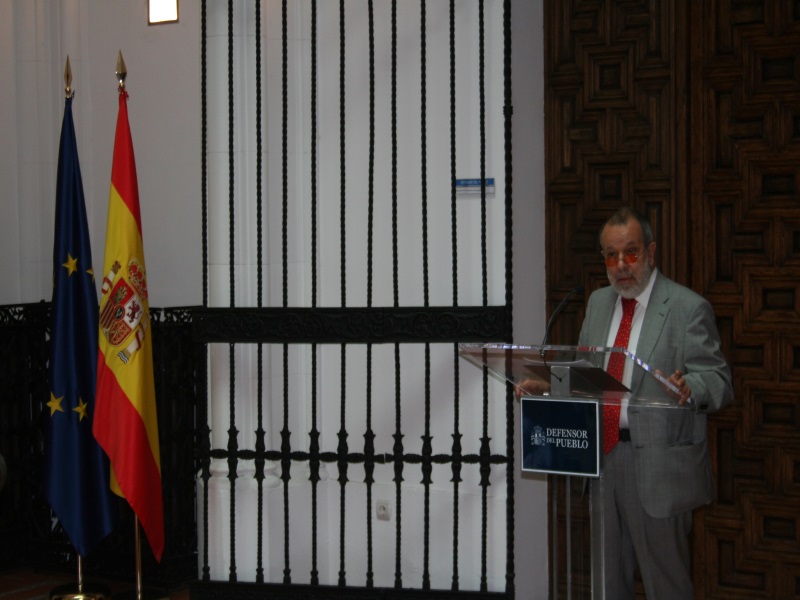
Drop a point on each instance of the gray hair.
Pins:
(625, 214)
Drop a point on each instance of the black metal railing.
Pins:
(29, 537)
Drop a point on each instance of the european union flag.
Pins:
(76, 470)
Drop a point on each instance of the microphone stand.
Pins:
(578, 289)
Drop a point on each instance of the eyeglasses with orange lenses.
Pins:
(629, 257)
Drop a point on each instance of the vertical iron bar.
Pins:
(482, 130)
(233, 448)
(314, 433)
(369, 435)
(485, 448)
(424, 153)
(232, 432)
(341, 452)
(342, 435)
(204, 142)
(260, 433)
(284, 154)
(286, 449)
(508, 113)
(456, 446)
(204, 435)
(397, 448)
(427, 465)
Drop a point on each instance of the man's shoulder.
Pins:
(669, 288)
(683, 303)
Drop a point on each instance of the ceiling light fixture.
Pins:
(162, 11)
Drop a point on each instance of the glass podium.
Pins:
(563, 390)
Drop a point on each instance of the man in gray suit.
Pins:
(659, 471)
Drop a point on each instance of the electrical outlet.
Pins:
(383, 510)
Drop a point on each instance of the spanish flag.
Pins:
(125, 415)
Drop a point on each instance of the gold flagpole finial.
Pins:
(121, 71)
(68, 80)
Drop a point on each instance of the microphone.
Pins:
(578, 289)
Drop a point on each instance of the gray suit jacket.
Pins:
(673, 471)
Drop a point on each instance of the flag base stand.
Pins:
(81, 590)
(90, 592)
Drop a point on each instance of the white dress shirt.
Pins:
(636, 328)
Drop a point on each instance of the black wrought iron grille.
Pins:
(23, 384)
(30, 537)
(274, 363)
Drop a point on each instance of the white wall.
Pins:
(164, 108)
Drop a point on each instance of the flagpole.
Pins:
(139, 593)
(68, 93)
(80, 574)
(137, 544)
(121, 72)
(68, 592)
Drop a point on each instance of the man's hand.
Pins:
(684, 391)
(531, 387)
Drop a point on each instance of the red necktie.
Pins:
(616, 365)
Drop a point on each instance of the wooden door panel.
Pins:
(745, 156)
(691, 113)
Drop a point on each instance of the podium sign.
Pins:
(560, 436)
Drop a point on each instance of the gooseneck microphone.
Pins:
(578, 289)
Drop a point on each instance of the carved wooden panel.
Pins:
(690, 111)
(744, 182)
(614, 92)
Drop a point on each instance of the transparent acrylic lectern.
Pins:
(563, 392)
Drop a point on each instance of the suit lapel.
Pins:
(606, 310)
(652, 326)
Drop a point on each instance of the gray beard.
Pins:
(634, 291)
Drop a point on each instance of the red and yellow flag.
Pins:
(125, 414)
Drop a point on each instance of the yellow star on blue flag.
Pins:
(76, 470)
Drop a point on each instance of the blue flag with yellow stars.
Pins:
(76, 470)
